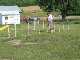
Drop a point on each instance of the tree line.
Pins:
(20, 3)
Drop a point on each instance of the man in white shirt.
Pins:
(49, 19)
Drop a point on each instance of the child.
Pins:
(49, 19)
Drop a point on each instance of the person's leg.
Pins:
(47, 29)
(47, 26)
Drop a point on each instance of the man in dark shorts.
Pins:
(49, 19)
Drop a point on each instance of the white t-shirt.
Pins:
(49, 17)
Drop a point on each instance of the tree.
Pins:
(62, 6)
(20, 3)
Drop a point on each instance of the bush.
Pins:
(77, 22)
(22, 11)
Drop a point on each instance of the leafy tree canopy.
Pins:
(62, 6)
(20, 3)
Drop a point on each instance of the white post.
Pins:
(8, 32)
(43, 22)
(54, 27)
(63, 27)
(15, 29)
(67, 21)
(28, 24)
(38, 20)
(59, 29)
(68, 27)
(28, 27)
(39, 31)
(34, 24)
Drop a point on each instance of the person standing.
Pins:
(49, 19)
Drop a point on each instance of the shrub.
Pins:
(22, 11)
(77, 22)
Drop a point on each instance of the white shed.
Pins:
(9, 14)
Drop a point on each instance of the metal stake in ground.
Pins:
(63, 27)
(34, 24)
(39, 31)
(28, 27)
(68, 27)
(59, 29)
(67, 21)
(15, 29)
(38, 20)
(8, 32)
(43, 22)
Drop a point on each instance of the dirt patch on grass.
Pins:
(30, 43)
(3, 37)
(32, 38)
(19, 42)
(36, 42)
(6, 59)
(46, 41)
(15, 42)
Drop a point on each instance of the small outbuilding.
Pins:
(9, 15)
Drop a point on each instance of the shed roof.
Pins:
(10, 8)
(9, 12)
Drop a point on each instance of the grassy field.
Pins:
(31, 8)
(64, 45)
(32, 11)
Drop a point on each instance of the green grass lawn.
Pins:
(64, 45)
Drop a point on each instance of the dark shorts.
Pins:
(48, 23)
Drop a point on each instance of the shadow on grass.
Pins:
(42, 31)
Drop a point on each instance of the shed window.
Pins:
(6, 18)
